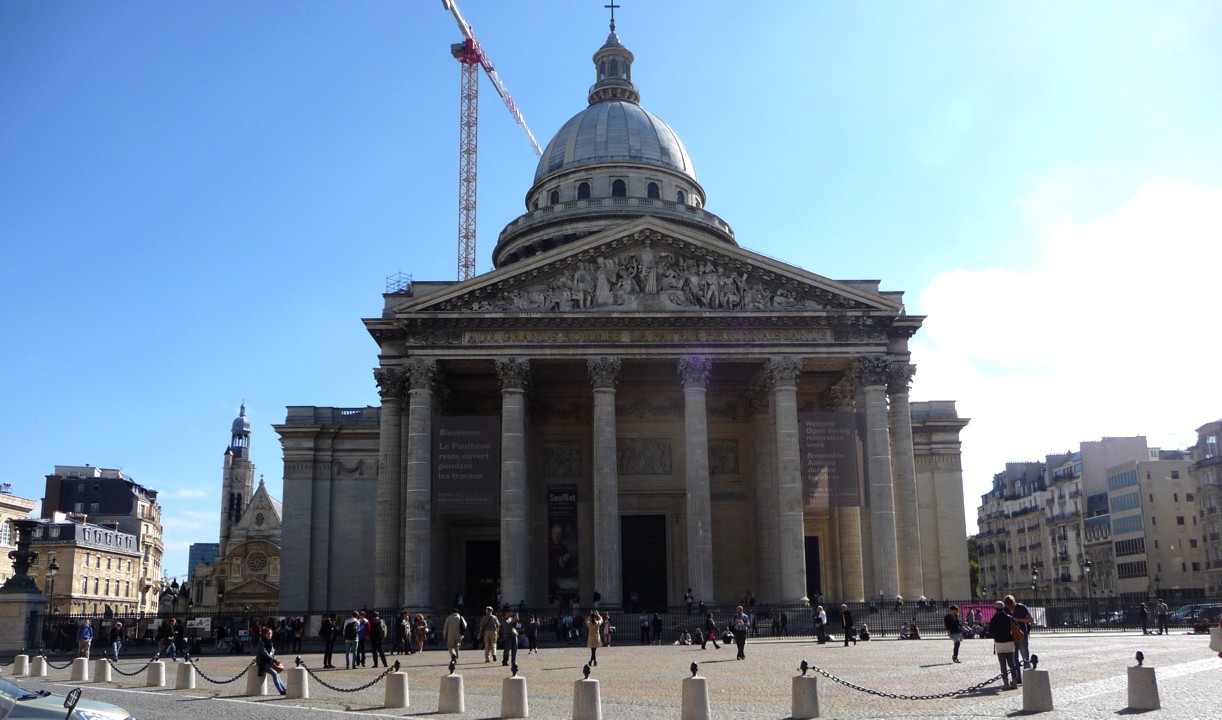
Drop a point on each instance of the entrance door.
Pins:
(483, 565)
(643, 561)
(814, 581)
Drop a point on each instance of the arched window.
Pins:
(583, 191)
(680, 197)
(619, 189)
(554, 198)
(653, 192)
(535, 206)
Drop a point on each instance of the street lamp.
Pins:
(1090, 613)
(1035, 583)
(52, 569)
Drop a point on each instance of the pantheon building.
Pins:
(628, 403)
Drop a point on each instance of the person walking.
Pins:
(116, 640)
(420, 631)
(1162, 610)
(352, 634)
(1022, 616)
(1003, 645)
(84, 638)
(954, 629)
(739, 625)
(655, 626)
(377, 636)
(509, 654)
(846, 622)
(267, 663)
(326, 632)
(453, 630)
(1143, 614)
(594, 635)
(489, 628)
(821, 625)
(709, 634)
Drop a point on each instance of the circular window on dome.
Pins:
(257, 562)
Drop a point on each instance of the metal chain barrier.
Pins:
(50, 664)
(371, 683)
(135, 672)
(214, 681)
(901, 696)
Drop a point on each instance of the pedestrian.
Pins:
(352, 639)
(954, 629)
(116, 640)
(533, 626)
(1003, 645)
(489, 628)
(1162, 610)
(821, 624)
(1144, 614)
(645, 628)
(655, 627)
(509, 625)
(298, 626)
(403, 634)
(420, 631)
(362, 637)
(377, 636)
(739, 625)
(326, 633)
(846, 622)
(688, 599)
(453, 630)
(710, 632)
(267, 663)
(594, 635)
(1022, 616)
(606, 629)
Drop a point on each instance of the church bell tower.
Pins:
(239, 477)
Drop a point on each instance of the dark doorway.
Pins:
(483, 563)
(814, 581)
(643, 563)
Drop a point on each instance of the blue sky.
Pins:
(201, 200)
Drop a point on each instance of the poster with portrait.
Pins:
(562, 540)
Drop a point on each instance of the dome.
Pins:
(614, 131)
(241, 425)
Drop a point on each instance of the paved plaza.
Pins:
(1087, 672)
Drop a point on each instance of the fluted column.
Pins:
(848, 519)
(872, 376)
(694, 372)
(604, 372)
(514, 542)
(418, 485)
(766, 505)
(907, 514)
(388, 531)
(783, 375)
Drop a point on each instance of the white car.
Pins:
(17, 703)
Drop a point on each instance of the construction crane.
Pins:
(471, 55)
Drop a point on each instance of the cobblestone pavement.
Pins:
(1087, 673)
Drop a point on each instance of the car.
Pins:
(1185, 612)
(17, 703)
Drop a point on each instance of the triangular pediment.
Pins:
(250, 588)
(262, 513)
(651, 265)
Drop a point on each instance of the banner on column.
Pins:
(831, 448)
(562, 540)
(467, 465)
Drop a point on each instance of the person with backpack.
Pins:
(326, 632)
(377, 636)
(738, 625)
(352, 632)
(453, 630)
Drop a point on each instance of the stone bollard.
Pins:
(695, 699)
(396, 691)
(298, 684)
(39, 667)
(514, 703)
(587, 701)
(21, 665)
(101, 670)
(256, 684)
(185, 679)
(1143, 689)
(79, 671)
(156, 674)
(804, 702)
(451, 699)
(1037, 691)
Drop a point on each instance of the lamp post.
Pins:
(52, 569)
(1035, 583)
(1090, 613)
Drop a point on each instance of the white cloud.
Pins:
(1110, 334)
(190, 493)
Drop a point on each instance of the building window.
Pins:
(107, 586)
(84, 585)
(1179, 519)
(583, 191)
(619, 188)
(6, 533)
(86, 560)
(554, 198)
(1175, 474)
(1189, 497)
(1192, 542)
(95, 585)
(680, 197)
(1196, 567)
(653, 192)
(107, 563)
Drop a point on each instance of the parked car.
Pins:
(1185, 612)
(1207, 617)
(17, 703)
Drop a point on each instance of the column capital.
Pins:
(783, 370)
(604, 371)
(421, 373)
(872, 370)
(392, 381)
(899, 377)
(513, 372)
(695, 370)
(842, 395)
